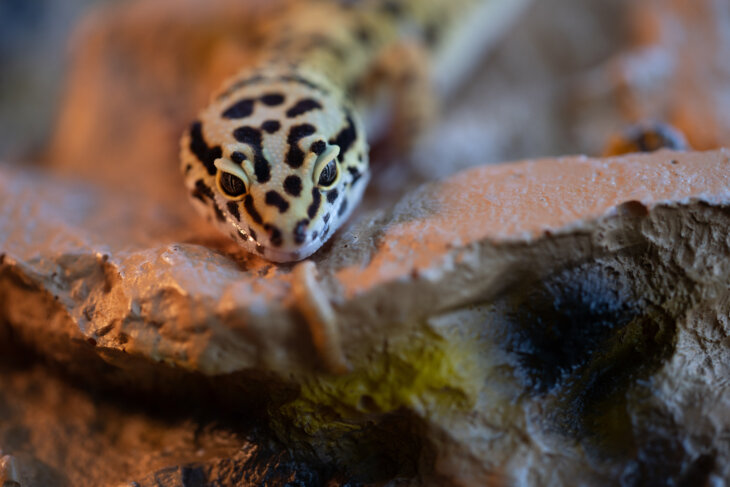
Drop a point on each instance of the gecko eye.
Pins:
(232, 185)
(328, 174)
(231, 179)
(326, 170)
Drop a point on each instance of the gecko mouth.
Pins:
(286, 253)
(283, 256)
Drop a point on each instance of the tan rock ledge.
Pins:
(515, 311)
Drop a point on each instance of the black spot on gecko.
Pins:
(275, 199)
(364, 35)
(283, 43)
(242, 235)
(346, 137)
(318, 147)
(332, 195)
(248, 135)
(295, 156)
(300, 231)
(271, 126)
(238, 157)
(260, 248)
(355, 89)
(251, 209)
(356, 175)
(252, 137)
(252, 233)
(233, 208)
(432, 35)
(240, 84)
(219, 214)
(293, 185)
(316, 201)
(275, 236)
(205, 154)
(392, 7)
(347, 4)
(304, 82)
(303, 106)
(343, 207)
(240, 109)
(261, 167)
(338, 51)
(315, 234)
(188, 168)
(202, 191)
(326, 218)
(272, 99)
(298, 132)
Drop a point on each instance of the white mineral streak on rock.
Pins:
(87, 275)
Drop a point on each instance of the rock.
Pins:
(62, 435)
(139, 73)
(548, 322)
(9, 476)
(570, 306)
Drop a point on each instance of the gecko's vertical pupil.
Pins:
(328, 174)
(232, 185)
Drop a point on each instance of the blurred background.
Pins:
(34, 38)
(102, 89)
(124, 78)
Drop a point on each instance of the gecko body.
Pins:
(279, 159)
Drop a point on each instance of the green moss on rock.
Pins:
(387, 397)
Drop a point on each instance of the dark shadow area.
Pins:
(584, 341)
(234, 409)
(554, 326)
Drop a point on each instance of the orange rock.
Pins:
(465, 270)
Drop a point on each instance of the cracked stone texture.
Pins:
(548, 322)
(572, 317)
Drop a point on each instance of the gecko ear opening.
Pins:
(327, 172)
(231, 179)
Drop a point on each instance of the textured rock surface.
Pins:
(127, 279)
(64, 436)
(559, 316)
(548, 322)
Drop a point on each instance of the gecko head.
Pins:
(278, 164)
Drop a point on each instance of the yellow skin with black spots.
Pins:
(279, 159)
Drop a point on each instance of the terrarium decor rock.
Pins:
(551, 321)
(520, 321)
